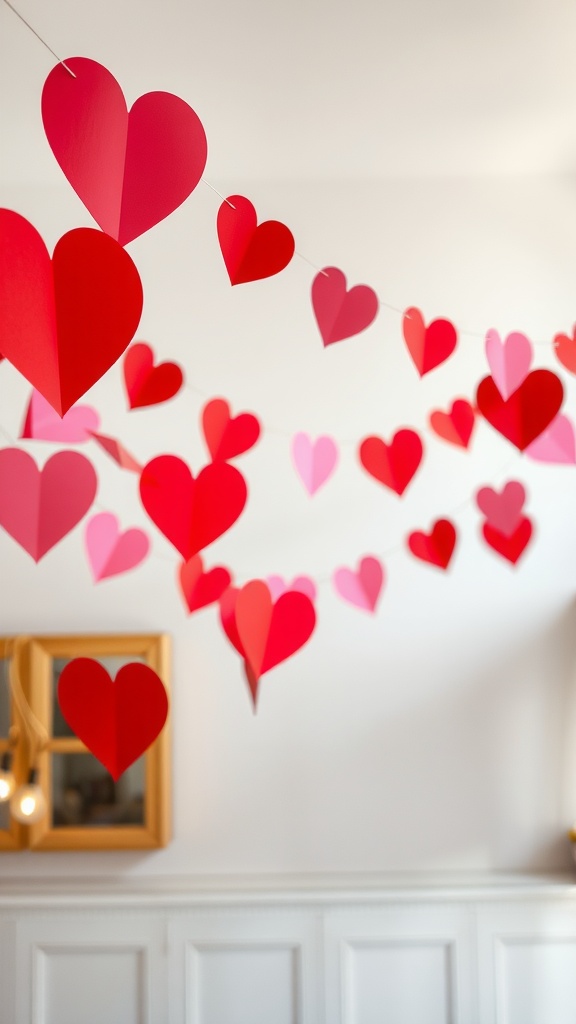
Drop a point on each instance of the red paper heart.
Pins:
(117, 720)
(428, 346)
(565, 349)
(251, 251)
(191, 512)
(528, 411)
(340, 313)
(202, 588)
(392, 464)
(131, 170)
(436, 547)
(40, 507)
(510, 547)
(226, 437)
(147, 384)
(64, 323)
(455, 426)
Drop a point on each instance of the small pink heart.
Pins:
(42, 423)
(503, 509)
(315, 461)
(509, 360)
(111, 552)
(361, 588)
(302, 584)
(556, 444)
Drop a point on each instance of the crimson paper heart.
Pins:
(510, 546)
(565, 349)
(436, 547)
(227, 436)
(455, 426)
(428, 345)
(147, 384)
(340, 313)
(201, 588)
(528, 411)
(251, 251)
(392, 464)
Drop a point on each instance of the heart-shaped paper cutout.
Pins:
(361, 587)
(117, 720)
(510, 547)
(251, 251)
(131, 170)
(394, 464)
(65, 321)
(145, 383)
(277, 585)
(314, 461)
(201, 588)
(565, 349)
(436, 547)
(428, 345)
(340, 313)
(111, 552)
(191, 512)
(529, 410)
(503, 509)
(42, 423)
(455, 426)
(227, 436)
(117, 451)
(509, 360)
(40, 507)
(556, 444)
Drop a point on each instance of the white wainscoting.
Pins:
(412, 954)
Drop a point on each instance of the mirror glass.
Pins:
(4, 698)
(84, 794)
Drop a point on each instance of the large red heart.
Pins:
(340, 313)
(510, 547)
(528, 411)
(251, 251)
(428, 345)
(191, 512)
(436, 547)
(225, 436)
(39, 507)
(565, 349)
(147, 384)
(201, 588)
(64, 322)
(455, 426)
(131, 170)
(392, 464)
(117, 720)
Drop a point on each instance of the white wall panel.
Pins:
(396, 983)
(249, 985)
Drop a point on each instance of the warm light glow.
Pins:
(7, 786)
(28, 804)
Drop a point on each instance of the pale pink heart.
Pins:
(277, 586)
(556, 444)
(42, 423)
(509, 360)
(361, 588)
(111, 552)
(503, 509)
(315, 461)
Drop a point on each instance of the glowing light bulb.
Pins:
(7, 780)
(28, 805)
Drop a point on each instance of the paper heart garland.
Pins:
(510, 546)
(314, 461)
(117, 720)
(529, 410)
(111, 552)
(130, 169)
(201, 588)
(117, 451)
(509, 360)
(394, 464)
(556, 444)
(436, 547)
(227, 436)
(455, 426)
(340, 313)
(277, 585)
(145, 383)
(361, 587)
(40, 507)
(251, 251)
(503, 509)
(191, 512)
(428, 345)
(42, 423)
(65, 321)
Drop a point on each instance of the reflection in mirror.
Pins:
(84, 794)
(5, 820)
(4, 698)
(111, 663)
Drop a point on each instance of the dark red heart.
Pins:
(436, 547)
(147, 384)
(528, 411)
(392, 464)
(251, 251)
(428, 345)
(225, 436)
(455, 426)
(510, 547)
(202, 588)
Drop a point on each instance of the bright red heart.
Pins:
(202, 588)
(436, 547)
(340, 313)
(428, 346)
(455, 426)
(40, 507)
(565, 349)
(510, 547)
(147, 384)
(251, 251)
(131, 170)
(191, 512)
(63, 323)
(117, 720)
(528, 411)
(392, 464)
(225, 436)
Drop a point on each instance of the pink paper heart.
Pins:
(42, 423)
(556, 444)
(361, 588)
(509, 360)
(340, 313)
(302, 584)
(503, 509)
(111, 552)
(315, 461)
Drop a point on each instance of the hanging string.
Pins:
(39, 37)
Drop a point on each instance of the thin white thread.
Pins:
(223, 198)
(39, 37)
(309, 262)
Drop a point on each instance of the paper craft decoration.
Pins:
(394, 464)
(117, 451)
(117, 719)
(277, 585)
(509, 360)
(503, 509)
(314, 461)
(431, 345)
(111, 552)
(529, 410)
(40, 507)
(227, 436)
(556, 444)
(251, 251)
(65, 321)
(512, 546)
(201, 588)
(565, 349)
(436, 547)
(361, 587)
(191, 512)
(130, 169)
(145, 383)
(42, 423)
(455, 426)
(340, 313)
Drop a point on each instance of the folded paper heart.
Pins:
(201, 588)
(117, 451)
(431, 345)
(509, 360)
(40, 507)
(394, 464)
(314, 461)
(503, 509)
(227, 436)
(529, 410)
(565, 349)
(556, 444)
(117, 720)
(42, 423)
(145, 383)
(511, 546)
(65, 321)
(340, 313)
(130, 169)
(455, 426)
(111, 552)
(436, 547)
(251, 251)
(361, 587)
(277, 585)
